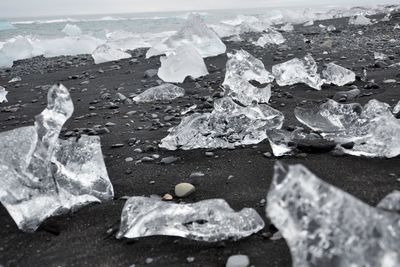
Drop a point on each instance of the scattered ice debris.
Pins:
(242, 68)
(380, 56)
(208, 220)
(359, 20)
(372, 130)
(391, 202)
(287, 27)
(308, 23)
(3, 94)
(196, 33)
(324, 226)
(163, 92)
(15, 80)
(106, 53)
(271, 37)
(184, 62)
(227, 126)
(335, 74)
(45, 176)
(396, 108)
(238, 261)
(72, 30)
(298, 71)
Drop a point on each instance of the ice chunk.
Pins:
(335, 74)
(360, 20)
(15, 79)
(72, 30)
(3, 94)
(271, 37)
(308, 23)
(391, 202)
(380, 56)
(298, 71)
(208, 220)
(396, 108)
(287, 27)
(373, 129)
(186, 61)
(227, 126)
(16, 48)
(106, 53)
(162, 92)
(45, 176)
(324, 226)
(194, 32)
(242, 68)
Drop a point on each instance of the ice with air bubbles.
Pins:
(163, 92)
(335, 74)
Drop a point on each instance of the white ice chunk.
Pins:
(184, 62)
(298, 71)
(3, 94)
(208, 220)
(324, 226)
(163, 92)
(359, 20)
(72, 30)
(241, 68)
(106, 53)
(15, 79)
(271, 37)
(308, 23)
(396, 108)
(287, 27)
(380, 56)
(335, 74)
(15, 49)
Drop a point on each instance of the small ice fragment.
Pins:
(208, 220)
(324, 226)
(15, 79)
(396, 108)
(396, 27)
(242, 68)
(72, 30)
(309, 23)
(335, 74)
(163, 92)
(3, 94)
(189, 109)
(380, 56)
(106, 53)
(271, 37)
(298, 71)
(281, 142)
(359, 20)
(184, 62)
(391, 202)
(287, 27)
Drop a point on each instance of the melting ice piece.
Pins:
(208, 220)
(325, 226)
(3, 94)
(194, 32)
(186, 61)
(15, 79)
(298, 71)
(335, 74)
(16, 48)
(242, 68)
(287, 27)
(72, 30)
(360, 20)
(396, 108)
(106, 53)
(271, 37)
(162, 92)
(373, 129)
(45, 176)
(227, 126)
(380, 56)
(391, 202)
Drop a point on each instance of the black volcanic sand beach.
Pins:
(84, 238)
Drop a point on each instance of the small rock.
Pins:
(167, 197)
(238, 261)
(168, 160)
(184, 189)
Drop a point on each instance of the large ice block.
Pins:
(106, 53)
(227, 126)
(335, 74)
(324, 226)
(270, 37)
(242, 68)
(297, 70)
(163, 92)
(208, 220)
(185, 62)
(44, 176)
(3, 94)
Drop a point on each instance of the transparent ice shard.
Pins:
(271, 37)
(298, 71)
(44, 176)
(186, 61)
(373, 129)
(391, 202)
(360, 20)
(227, 126)
(324, 226)
(72, 30)
(106, 53)
(335, 74)
(162, 92)
(242, 68)
(396, 108)
(287, 27)
(196, 33)
(208, 220)
(3, 94)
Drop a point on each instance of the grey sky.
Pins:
(32, 8)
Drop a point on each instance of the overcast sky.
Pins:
(33, 8)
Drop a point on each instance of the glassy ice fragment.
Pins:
(163, 92)
(3, 94)
(271, 37)
(15, 79)
(208, 220)
(396, 109)
(44, 176)
(287, 27)
(324, 226)
(298, 71)
(335, 74)
(72, 30)
(242, 68)
(106, 53)
(360, 20)
(186, 61)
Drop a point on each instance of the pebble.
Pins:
(167, 197)
(168, 160)
(117, 145)
(209, 154)
(238, 261)
(184, 189)
(129, 159)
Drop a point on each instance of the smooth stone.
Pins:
(238, 261)
(184, 189)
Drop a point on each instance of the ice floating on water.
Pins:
(196, 33)
(298, 71)
(335, 74)
(3, 94)
(360, 20)
(227, 126)
(325, 226)
(242, 68)
(45, 176)
(373, 129)
(162, 92)
(186, 61)
(208, 220)
(72, 30)
(271, 37)
(105, 53)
